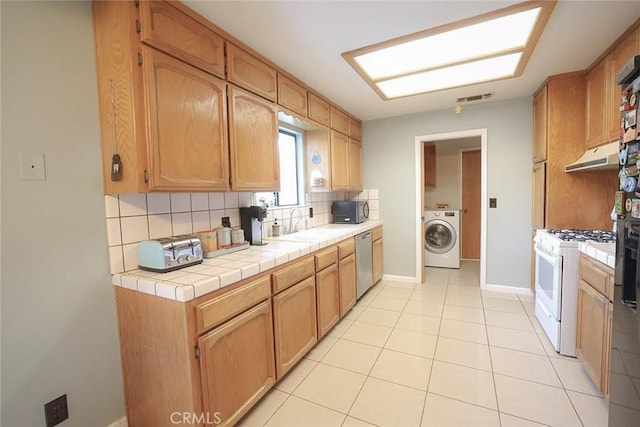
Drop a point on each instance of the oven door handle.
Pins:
(556, 261)
(545, 310)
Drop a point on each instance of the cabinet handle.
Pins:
(138, 27)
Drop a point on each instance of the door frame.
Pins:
(419, 193)
(460, 152)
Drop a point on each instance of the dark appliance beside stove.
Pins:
(624, 372)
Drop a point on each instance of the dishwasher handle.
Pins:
(363, 236)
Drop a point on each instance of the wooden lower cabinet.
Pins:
(378, 260)
(347, 280)
(594, 326)
(327, 299)
(237, 364)
(294, 324)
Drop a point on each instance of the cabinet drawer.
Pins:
(376, 234)
(249, 72)
(594, 276)
(293, 274)
(345, 248)
(165, 27)
(326, 258)
(227, 305)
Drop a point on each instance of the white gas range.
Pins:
(556, 282)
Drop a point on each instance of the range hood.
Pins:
(599, 158)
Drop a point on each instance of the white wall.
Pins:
(447, 189)
(59, 332)
(389, 165)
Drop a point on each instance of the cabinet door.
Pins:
(291, 95)
(253, 142)
(294, 324)
(169, 29)
(378, 260)
(327, 299)
(430, 165)
(249, 72)
(339, 121)
(339, 161)
(597, 104)
(539, 192)
(355, 165)
(619, 56)
(237, 364)
(540, 125)
(355, 129)
(186, 121)
(347, 279)
(591, 332)
(319, 109)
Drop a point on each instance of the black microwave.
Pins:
(350, 212)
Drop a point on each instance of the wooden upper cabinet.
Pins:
(540, 125)
(597, 103)
(186, 117)
(339, 161)
(253, 142)
(339, 121)
(292, 95)
(355, 165)
(250, 73)
(171, 30)
(355, 129)
(430, 165)
(619, 56)
(319, 110)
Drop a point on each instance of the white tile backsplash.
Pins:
(133, 204)
(181, 223)
(180, 202)
(159, 203)
(134, 229)
(134, 217)
(199, 202)
(159, 226)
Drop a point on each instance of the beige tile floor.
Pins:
(442, 353)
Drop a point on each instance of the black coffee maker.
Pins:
(251, 222)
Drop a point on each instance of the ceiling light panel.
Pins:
(438, 58)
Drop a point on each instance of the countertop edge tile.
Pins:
(604, 257)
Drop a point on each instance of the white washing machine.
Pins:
(442, 238)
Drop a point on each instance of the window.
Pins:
(291, 177)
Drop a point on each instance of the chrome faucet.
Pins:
(294, 227)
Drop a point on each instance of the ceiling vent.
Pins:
(474, 98)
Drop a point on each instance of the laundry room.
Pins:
(452, 195)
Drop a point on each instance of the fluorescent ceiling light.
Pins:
(458, 54)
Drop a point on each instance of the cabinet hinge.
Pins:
(138, 27)
(146, 177)
(139, 58)
(136, 2)
(197, 352)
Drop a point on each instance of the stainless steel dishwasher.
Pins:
(364, 263)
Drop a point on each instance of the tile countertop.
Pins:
(603, 252)
(192, 282)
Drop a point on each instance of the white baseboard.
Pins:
(508, 289)
(122, 422)
(394, 278)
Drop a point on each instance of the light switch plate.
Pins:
(32, 166)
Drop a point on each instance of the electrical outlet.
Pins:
(493, 202)
(226, 222)
(56, 411)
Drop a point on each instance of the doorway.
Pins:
(420, 196)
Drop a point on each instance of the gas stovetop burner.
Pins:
(571, 235)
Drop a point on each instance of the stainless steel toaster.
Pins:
(170, 253)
